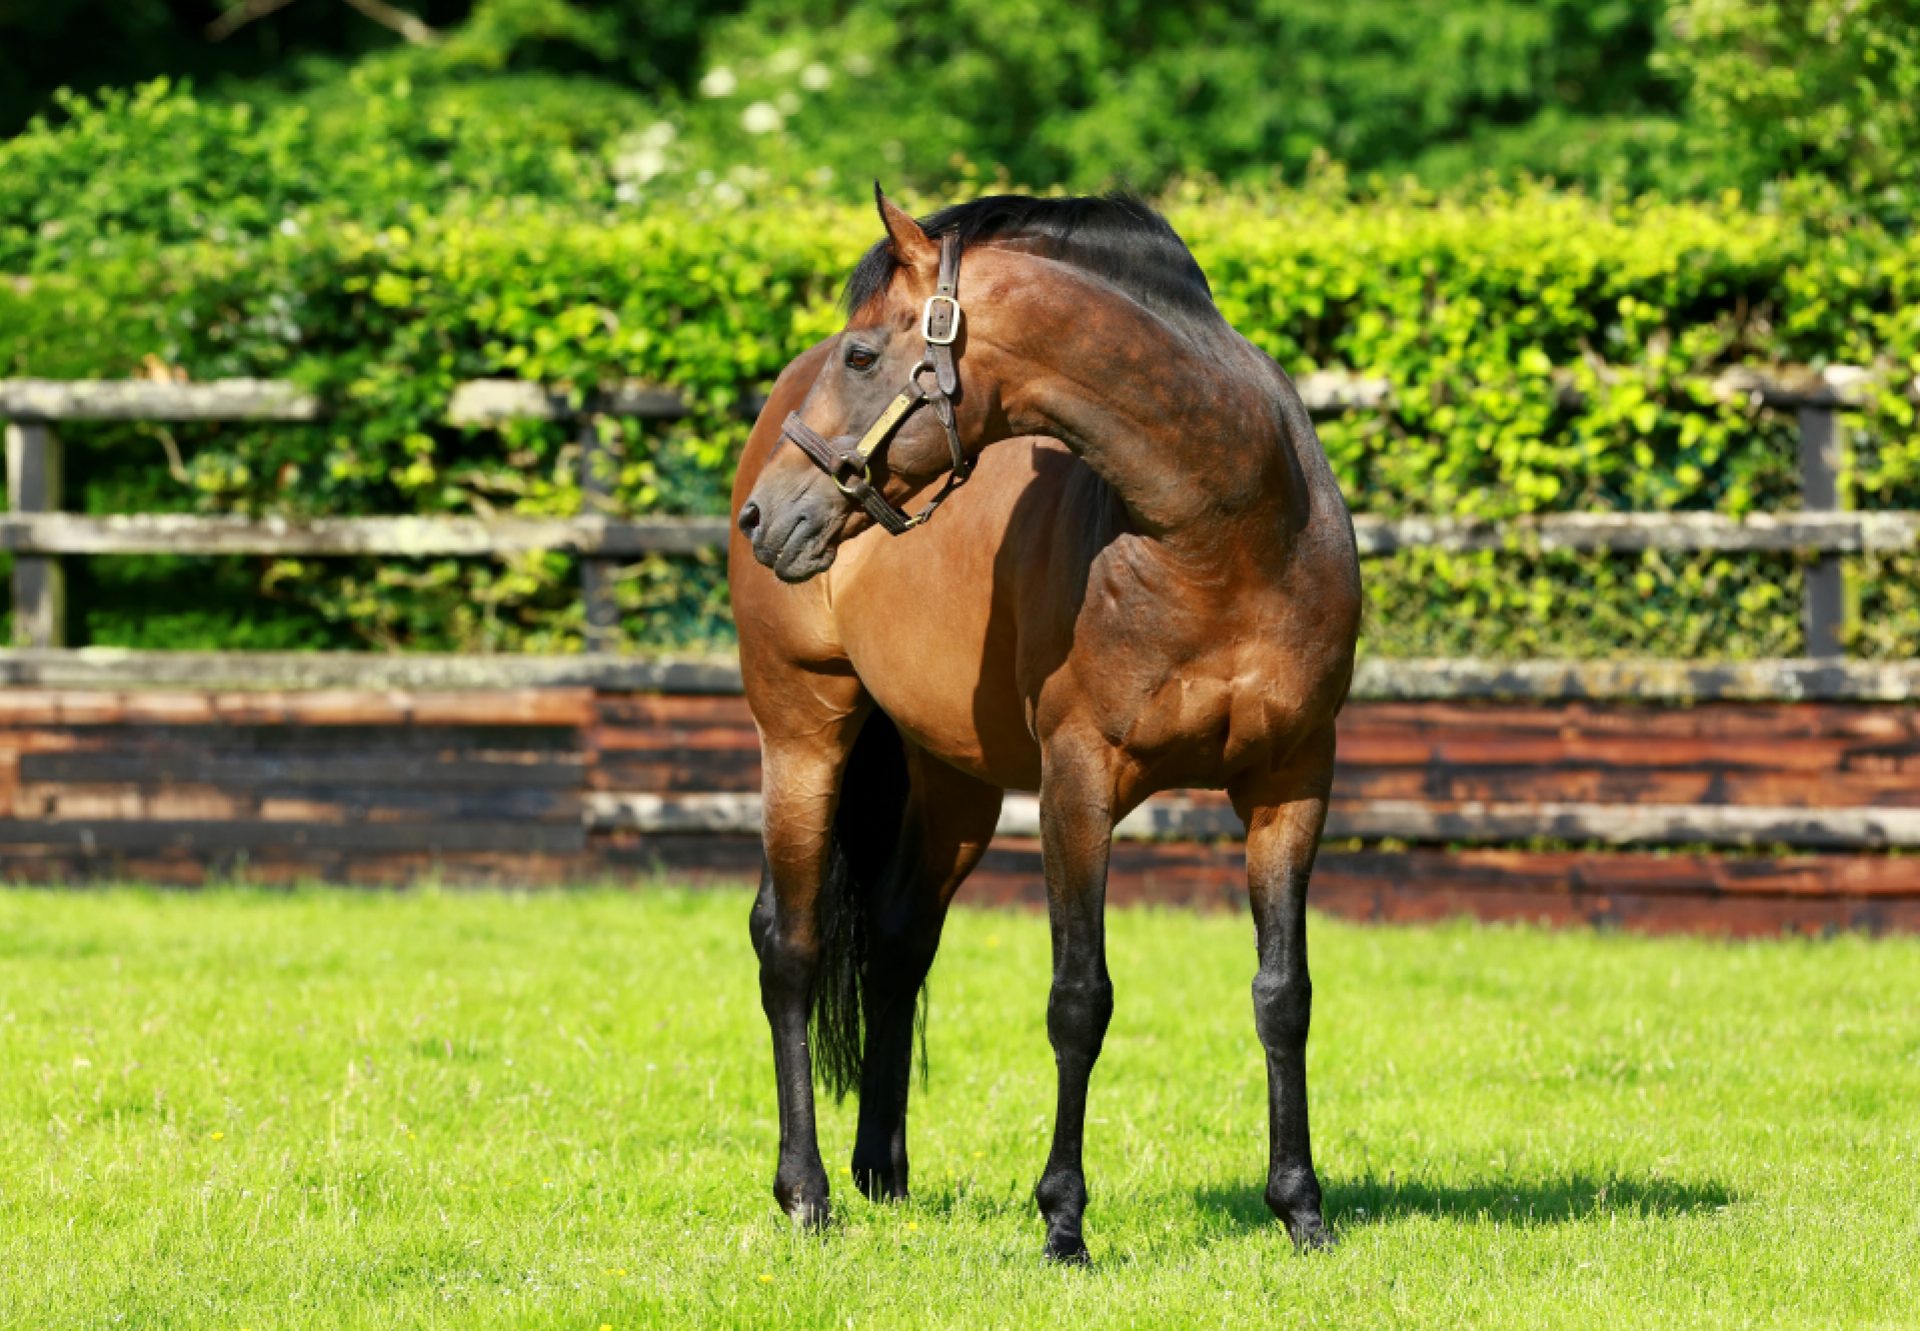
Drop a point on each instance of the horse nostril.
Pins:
(749, 518)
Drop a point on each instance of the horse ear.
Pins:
(911, 245)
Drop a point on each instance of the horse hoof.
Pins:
(1068, 1250)
(880, 1185)
(810, 1217)
(1309, 1233)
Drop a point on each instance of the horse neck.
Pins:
(1191, 426)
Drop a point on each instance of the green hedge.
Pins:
(1465, 303)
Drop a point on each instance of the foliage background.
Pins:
(1462, 200)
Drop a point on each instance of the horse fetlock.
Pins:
(1293, 1195)
(802, 1194)
(1067, 1247)
(1062, 1195)
(881, 1176)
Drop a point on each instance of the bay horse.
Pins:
(1149, 581)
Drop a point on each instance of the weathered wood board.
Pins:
(1566, 812)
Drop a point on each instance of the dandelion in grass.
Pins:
(217, 1136)
(766, 1277)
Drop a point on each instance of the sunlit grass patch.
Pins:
(336, 1109)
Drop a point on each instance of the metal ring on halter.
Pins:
(866, 478)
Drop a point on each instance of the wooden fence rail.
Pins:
(38, 534)
(44, 534)
(241, 680)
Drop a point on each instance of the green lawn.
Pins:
(236, 1109)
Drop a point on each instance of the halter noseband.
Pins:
(848, 462)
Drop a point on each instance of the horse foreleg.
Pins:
(1284, 813)
(948, 823)
(1076, 836)
(801, 790)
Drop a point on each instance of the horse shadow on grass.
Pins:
(1369, 1200)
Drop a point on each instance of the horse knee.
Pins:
(760, 918)
(1282, 1008)
(1077, 1015)
(788, 964)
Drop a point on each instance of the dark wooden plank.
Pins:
(1578, 785)
(1707, 720)
(303, 866)
(399, 741)
(691, 770)
(268, 769)
(33, 487)
(194, 800)
(211, 837)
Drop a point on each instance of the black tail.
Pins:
(866, 857)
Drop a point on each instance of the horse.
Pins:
(1148, 581)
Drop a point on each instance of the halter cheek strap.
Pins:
(848, 461)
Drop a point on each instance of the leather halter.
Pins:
(848, 461)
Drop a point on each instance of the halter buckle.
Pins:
(926, 322)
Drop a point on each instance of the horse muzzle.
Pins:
(795, 537)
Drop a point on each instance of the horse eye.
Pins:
(859, 358)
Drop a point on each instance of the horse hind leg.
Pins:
(946, 827)
(1285, 813)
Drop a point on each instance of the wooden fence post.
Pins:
(39, 583)
(597, 572)
(1825, 612)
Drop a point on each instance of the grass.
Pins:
(236, 1109)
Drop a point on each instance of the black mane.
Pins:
(1116, 237)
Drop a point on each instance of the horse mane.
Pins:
(1116, 237)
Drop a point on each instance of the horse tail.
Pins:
(864, 862)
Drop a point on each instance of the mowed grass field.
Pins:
(330, 1109)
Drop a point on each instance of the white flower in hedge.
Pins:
(718, 82)
(762, 118)
(815, 77)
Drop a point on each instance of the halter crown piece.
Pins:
(848, 460)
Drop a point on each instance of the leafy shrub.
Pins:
(1467, 304)
(159, 165)
(1828, 88)
(1055, 92)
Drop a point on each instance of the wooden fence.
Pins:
(1539, 788)
(39, 533)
